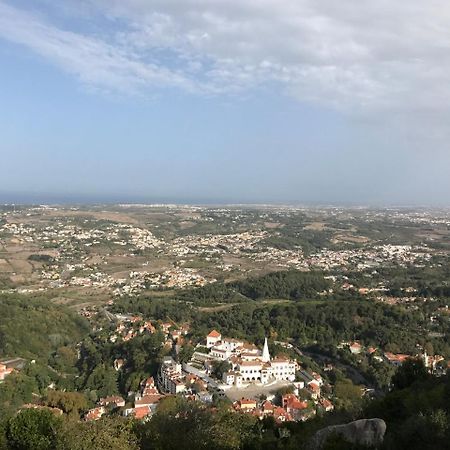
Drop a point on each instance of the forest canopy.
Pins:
(34, 327)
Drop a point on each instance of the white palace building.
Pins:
(249, 363)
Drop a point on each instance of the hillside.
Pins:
(34, 327)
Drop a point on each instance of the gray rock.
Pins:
(368, 432)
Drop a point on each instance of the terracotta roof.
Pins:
(280, 414)
(140, 413)
(112, 399)
(149, 381)
(149, 391)
(254, 363)
(326, 403)
(94, 414)
(396, 357)
(247, 402)
(248, 346)
(249, 354)
(214, 334)
(147, 400)
(268, 406)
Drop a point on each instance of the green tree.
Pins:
(411, 371)
(348, 395)
(33, 429)
(220, 367)
(113, 433)
(186, 353)
(104, 380)
(72, 403)
(429, 348)
(197, 427)
(16, 390)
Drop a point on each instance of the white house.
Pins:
(249, 363)
(213, 338)
(232, 378)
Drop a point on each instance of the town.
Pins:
(98, 250)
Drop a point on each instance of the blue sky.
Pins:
(234, 101)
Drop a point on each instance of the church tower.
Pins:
(265, 353)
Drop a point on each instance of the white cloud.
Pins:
(94, 61)
(356, 56)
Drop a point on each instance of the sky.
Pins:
(234, 101)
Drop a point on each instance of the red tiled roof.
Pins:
(149, 391)
(280, 414)
(147, 400)
(140, 413)
(268, 406)
(247, 401)
(94, 414)
(149, 381)
(214, 334)
(112, 399)
(292, 402)
(396, 357)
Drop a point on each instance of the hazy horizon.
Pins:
(50, 199)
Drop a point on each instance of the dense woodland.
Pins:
(33, 327)
(308, 319)
(293, 285)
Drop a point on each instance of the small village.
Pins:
(252, 381)
(250, 370)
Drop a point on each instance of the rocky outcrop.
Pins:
(368, 432)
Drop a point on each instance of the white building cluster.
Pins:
(249, 363)
(171, 377)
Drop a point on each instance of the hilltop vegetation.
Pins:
(324, 322)
(34, 327)
(288, 284)
(291, 284)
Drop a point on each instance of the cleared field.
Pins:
(272, 225)
(315, 226)
(20, 265)
(212, 309)
(353, 239)
(81, 297)
(98, 215)
(5, 266)
(18, 279)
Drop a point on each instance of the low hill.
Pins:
(34, 327)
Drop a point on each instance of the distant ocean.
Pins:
(26, 198)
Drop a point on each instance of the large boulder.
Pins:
(368, 432)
